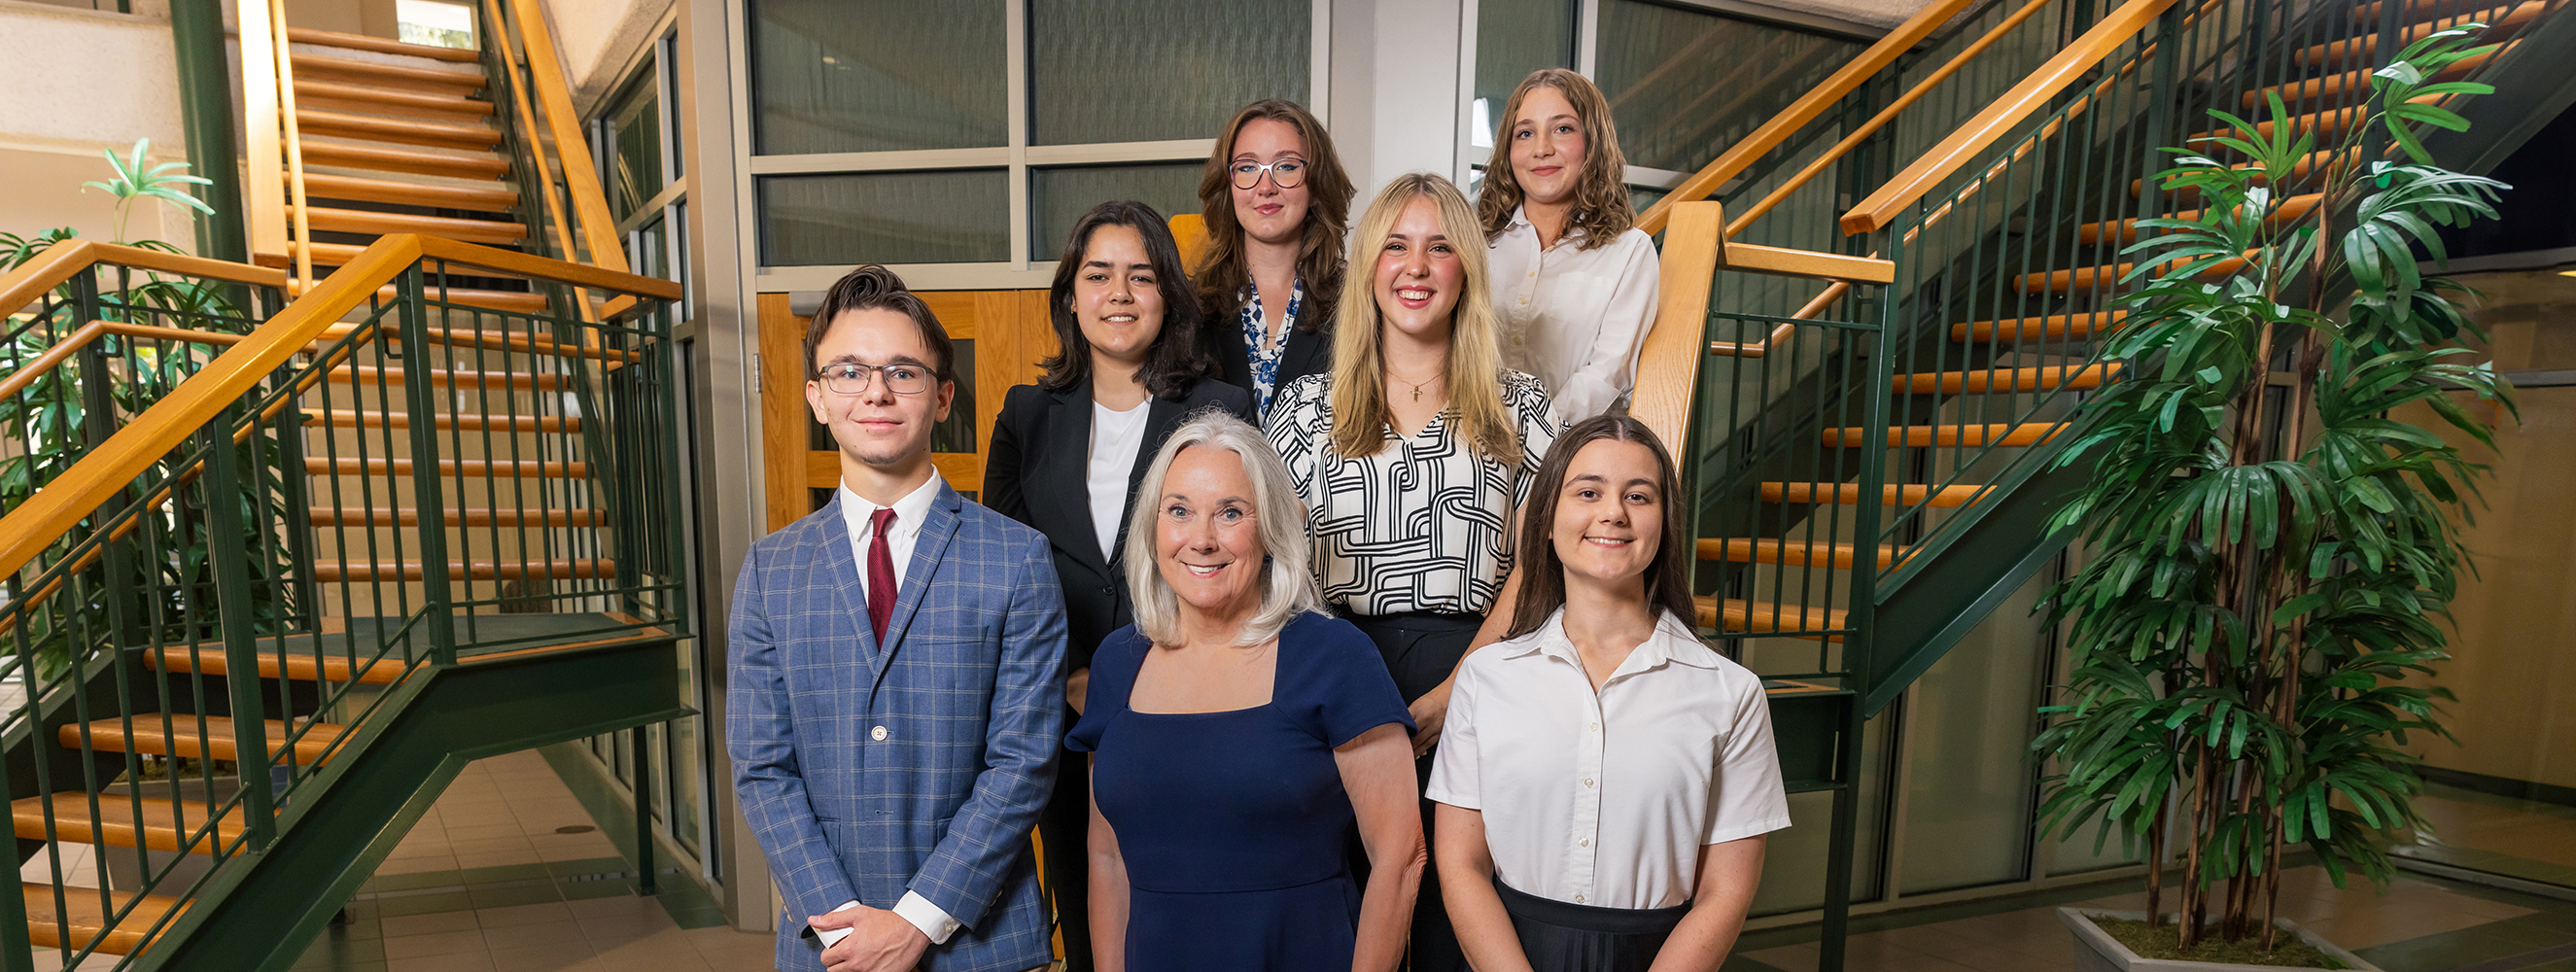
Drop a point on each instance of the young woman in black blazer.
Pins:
(1068, 452)
(1276, 202)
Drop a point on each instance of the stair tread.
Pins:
(333, 94)
(377, 158)
(494, 199)
(446, 377)
(381, 73)
(379, 45)
(332, 219)
(2014, 379)
(478, 468)
(588, 568)
(2097, 277)
(2367, 44)
(513, 301)
(396, 516)
(182, 737)
(1973, 434)
(1850, 493)
(360, 418)
(413, 131)
(2288, 210)
(1790, 553)
(2356, 81)
(162, 821)
(84, 916)
(496, 339)
(2045, 327)
(1737, 614)
(300, 666)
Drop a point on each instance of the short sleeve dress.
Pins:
(1232, 823)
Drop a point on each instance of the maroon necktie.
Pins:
(880, 575)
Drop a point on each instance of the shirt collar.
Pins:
(908, 511)
(1520, 224)
(1673, 641)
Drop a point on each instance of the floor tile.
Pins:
(429, 923)
(545, 913)
(398, 947)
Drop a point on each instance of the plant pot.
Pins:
(2097, 951)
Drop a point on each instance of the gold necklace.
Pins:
(1417, 385)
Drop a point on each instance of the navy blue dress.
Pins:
(1233, 823)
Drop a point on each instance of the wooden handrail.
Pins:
(62, 350)
(1807, 108)
(1668, 364)
(1963, 145)
(544, 173)
(264, 165)
(36, 524)
(299, 205)
(65, 260)
(581, 172)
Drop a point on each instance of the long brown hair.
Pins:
(1221, 276)
(1175, 361)
(1602, 209)
(1543, 585)
(1360, 412)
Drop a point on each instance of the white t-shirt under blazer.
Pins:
(1605, 800)
(1574, 317)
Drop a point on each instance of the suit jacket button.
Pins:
(877, 733)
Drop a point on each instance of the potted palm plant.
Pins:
(2270, 541)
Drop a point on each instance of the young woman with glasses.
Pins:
(1276, 201)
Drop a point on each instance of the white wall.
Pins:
(600, 40)
(1395, 88)
(55, 116)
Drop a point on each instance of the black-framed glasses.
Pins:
(849, 378)
(1285, 173)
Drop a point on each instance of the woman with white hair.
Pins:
(1236, 734)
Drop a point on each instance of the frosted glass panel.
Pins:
(833, 76)
(954, 216)
(1969, 778)
(1058, 197)
(1148, 70)
(1514, 38)
(1685, 85)
(1793, 865)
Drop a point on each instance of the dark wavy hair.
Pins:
(1175, 360)
(1543, 585)
(1221, 275)
(873, 287)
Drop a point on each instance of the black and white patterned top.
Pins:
(1423, 524)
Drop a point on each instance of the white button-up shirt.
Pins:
(1605, 799)
(860, 516)
(1574, 317)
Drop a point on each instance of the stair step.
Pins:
(2290, 210)
(2053, 327)
(1786, 553)
(333, 95)
(362, 221)
(1849, 494)
(404, 130)
(2099, 278)
(482, 570)
(474, 468)
(1735, 614)
(2357, 82)
(512, 301)
(181, 738)
(298, 666)
(2335, 52)
(1926, 436)
(380, 517)
(165, 822)
(2299, 172)
(449, 378)
(380, 45)
(378, 74)
(2005, 379)
(374, 158)
(2325, 125)
(493, 339)
(84, 918)
(348, 419)
(496, 199)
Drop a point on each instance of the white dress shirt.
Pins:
(860, 515)
(1116, 438)
(1605, 800)
(1574, 317)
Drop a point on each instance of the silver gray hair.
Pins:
(1287, 586)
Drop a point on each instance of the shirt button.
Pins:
(1584, 842)
(1593, 727)
(879, 734)
(1578, 898)
(1587, 781)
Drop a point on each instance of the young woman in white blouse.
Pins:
(1606, 780)
(1574, 279)
(1411, 454)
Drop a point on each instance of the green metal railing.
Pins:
(427, 483)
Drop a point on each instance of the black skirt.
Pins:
(1562, 937)
(1421, 648)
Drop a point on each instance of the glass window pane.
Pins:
(435, 23)
(831, 76)
(1968, 773)
(1514, 38)
(635, 146)
(1146, 70)
(953, 216)
(1058, 197)
(1683, 85)
(649, 250)
(957, 434)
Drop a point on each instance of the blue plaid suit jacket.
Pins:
(969, 689)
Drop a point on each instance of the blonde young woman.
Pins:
(1411, 455)
(1574, 278)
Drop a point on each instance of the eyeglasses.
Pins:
(852, 379)
(1285, 173)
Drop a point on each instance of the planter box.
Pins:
(2097, 951)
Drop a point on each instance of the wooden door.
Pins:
(1001, 335)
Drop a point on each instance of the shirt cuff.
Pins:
(926, 916)
(833, 936)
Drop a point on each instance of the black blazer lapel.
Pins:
(1059, 474)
